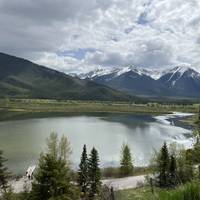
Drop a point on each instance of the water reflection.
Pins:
(22, 141)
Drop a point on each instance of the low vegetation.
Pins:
(29, 108)
(189, 191)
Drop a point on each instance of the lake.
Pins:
(23, 140)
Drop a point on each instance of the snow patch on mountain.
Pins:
(178, 72)
(155, 74)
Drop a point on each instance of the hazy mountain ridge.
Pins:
(23, 79)
(177, 81)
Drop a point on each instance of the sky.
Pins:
(81, 35)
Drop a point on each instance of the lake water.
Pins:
(23, 140)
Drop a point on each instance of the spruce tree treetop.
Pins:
(173, 171)
(126, 167)
(163, 166)
(94, 173)
(83, 171)
(52, 178)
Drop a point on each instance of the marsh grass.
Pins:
(29, 108)
(189, 191)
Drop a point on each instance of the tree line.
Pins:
(54, 179)
(175, 166)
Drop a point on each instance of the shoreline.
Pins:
(27, 108)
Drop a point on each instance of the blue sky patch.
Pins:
(78, 54)
(142, 19)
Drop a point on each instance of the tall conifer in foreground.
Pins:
(94, 174)
(126, 167)
(83, 171)
(163, 167)
(52, 179)
(173, 171)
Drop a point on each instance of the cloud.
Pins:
(76, 35)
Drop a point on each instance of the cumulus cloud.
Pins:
(77, 36)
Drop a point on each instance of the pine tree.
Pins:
(94, 174)
(173, 171)
(196, 149)
(64, 150)
(4, 174)
(52, 179)
(126, 161)
(83, 171)
(163, 167)
(184, 166)
(52, 144)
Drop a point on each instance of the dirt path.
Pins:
(117, 184)
(125, 183)
(19, 185)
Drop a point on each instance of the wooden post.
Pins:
(151, 184)
(112, 194)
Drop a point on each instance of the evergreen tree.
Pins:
(173, 171)
(196, 149)
(4, 174)
(52, 144)
(126, 161)
(83, 171)
(184, 166)
(163, 167)
(9, 195)
(52, 179)
(94, 174)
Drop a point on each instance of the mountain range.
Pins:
(21, 78)
(179, 81)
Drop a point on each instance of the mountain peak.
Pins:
(177, 80)
(21, 78)
(179, 69)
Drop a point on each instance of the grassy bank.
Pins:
(189, 191)
(114, 172)
(28, 108)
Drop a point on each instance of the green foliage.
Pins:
(173, 166)
(8, 195)
(106, 193)
(163, 167)
(23, 79)
(185, 167)
(196, 149)
(94, 174)
(4, 174)
(190, 191)
(52, 144)
(64, 149)
(83, 171)
(52, 179)
(126, 165)
(173, 181)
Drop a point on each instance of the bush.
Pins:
(190, 191)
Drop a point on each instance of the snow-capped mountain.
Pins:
(155, 74)
(174, 75)
(178, 81)
(182, 81)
